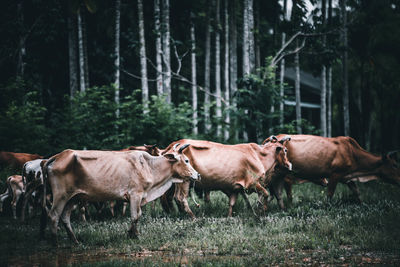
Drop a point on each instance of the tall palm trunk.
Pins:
(323, 77)
(143, 64)
(157, 27)
(282, 72)
(22, 37)
(245, 46)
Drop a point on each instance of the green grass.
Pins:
(311, 231)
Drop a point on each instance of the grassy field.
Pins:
(311, 231)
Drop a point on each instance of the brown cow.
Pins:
(15, 189)
(16, 160)
(340, 159)
(232, 169)
(108, 175)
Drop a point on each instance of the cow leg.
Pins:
(332, 187)
(25, 202)
(82, 210)
(112, 205)
(246, 199)
(206, 196)
(181, 195)
(2, 198)
(356, 193)
(54, 216)
(276, 190)
(136, 212)
(232, 201)
(167, 198)
(14, 202)
(288, 189)
(66, 220)
(124, 208)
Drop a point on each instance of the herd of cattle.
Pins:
(138, 175)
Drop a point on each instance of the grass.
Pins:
(311, 231)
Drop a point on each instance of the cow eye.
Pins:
(187, 161)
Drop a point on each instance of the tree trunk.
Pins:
(226, 72)
(346, 113)
(329, 82)
(323, 77)
(329, 104)
(157, 27)
(166, 49)
(22, 38)
(143, 63)
(117, 54)
(250, 38)
(85, 51)
(72, 55)
(218, 69)
(233, 58)
(81, 52)
(207, 75)
(282, 72)
(194, 80)
(257, 51)
(297, 91)
(245, 46)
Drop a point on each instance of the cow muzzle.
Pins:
(195, 177)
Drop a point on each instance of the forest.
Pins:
(109, 74)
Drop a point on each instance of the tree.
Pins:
(282, 71)
(346, 112)
(329, 81)
(233, 55)
(323, 76)
(143, 64)
(166, 49)
(226, 71)
(218, 68)
(157, 27)
(297, 90)
(22, 38)
(207, 55)
(194, 80)
(81, 54)
(117, 52)
(72, 54)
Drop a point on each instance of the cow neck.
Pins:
(161, 169)
(367, 162)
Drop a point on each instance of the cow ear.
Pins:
(278, 149)
(171, 157)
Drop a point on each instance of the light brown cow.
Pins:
(232, 169)
(16, 160)
(134, 176)
(340, 159)
(15, 189)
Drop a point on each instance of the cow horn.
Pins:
(183, 147)
(272, 138)
(284, 139)
(175, 146)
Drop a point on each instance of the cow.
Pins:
(16, 160)
(33, 180)
(91, 175)
(233, 169)
(340, 159)
(15, 189)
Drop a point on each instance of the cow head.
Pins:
(280, 151)
(180, 164)
(389, 170)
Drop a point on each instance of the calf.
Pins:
(15, 189)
